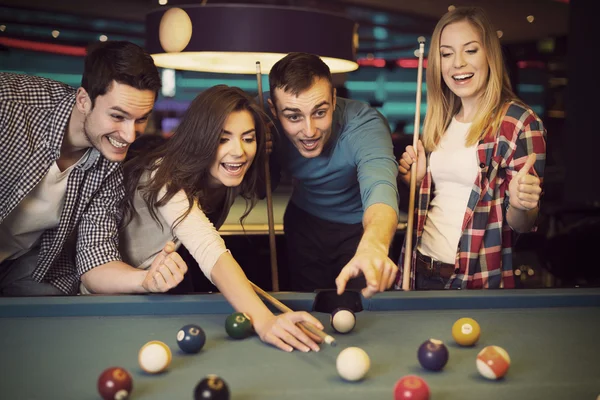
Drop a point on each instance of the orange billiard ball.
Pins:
(466, 331)
(493, 362)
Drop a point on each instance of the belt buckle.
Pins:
(428, 265)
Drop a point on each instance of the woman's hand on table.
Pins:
(282, 332)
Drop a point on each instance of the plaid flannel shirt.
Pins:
(34, 115)
(484, 254)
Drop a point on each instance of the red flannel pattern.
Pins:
(484, 256)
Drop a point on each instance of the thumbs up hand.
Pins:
(524, 188)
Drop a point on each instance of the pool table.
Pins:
(55, 348)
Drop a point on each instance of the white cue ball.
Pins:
(343, 320)
(353, 363)
(154, 357)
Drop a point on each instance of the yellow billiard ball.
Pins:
(466, 331)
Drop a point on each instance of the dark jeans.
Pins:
(317, 250)
(431, 276)
(16, 279)
(425, 282)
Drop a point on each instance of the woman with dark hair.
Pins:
(182, 191)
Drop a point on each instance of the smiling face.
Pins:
(306, 118)
(464, 65)
(236, 151)
(116, 119)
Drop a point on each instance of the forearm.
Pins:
(229, 277)
(380, 222)
(521, 220)
(114, 277)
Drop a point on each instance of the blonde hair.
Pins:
(443, 104)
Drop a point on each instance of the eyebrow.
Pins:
(119, 109)
(243, 133)
(466, 44)
(321, 104)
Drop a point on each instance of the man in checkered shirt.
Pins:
(61, 181)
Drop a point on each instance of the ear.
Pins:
(334, 98)
(83, 101)
(272, 108)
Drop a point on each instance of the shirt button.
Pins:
(482, 165)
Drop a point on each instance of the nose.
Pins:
(128, 131)
(459, 60)
(310, 129)
(237, 148)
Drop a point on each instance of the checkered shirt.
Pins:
(484, 254)
(34, 113)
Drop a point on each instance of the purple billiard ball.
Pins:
(433, 354)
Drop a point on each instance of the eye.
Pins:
(472, 51)
(223, 140)
(321, 113)
(117, 117)
(142, 120)
(249, 139)
(446, 55)
(292, 117)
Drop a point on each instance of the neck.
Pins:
(467, 112)
(74, 143)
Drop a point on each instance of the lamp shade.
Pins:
(231, 38)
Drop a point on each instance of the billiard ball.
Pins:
(115, 383)
(191, 339)
(433, 354)
(466, 331)
(342, 320)
(493, 362)
(238, 325)
(211, 388)
(154, 357)
(411, 387)
(353, 363)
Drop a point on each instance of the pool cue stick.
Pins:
(413, 175)
(283, 308)
(272, 245)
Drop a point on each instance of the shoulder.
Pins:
(520, 114)
(32, 90)
(354, 114)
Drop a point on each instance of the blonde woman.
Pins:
(480, 164)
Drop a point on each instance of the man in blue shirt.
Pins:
(343, 212)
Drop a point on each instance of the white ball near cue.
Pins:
(353, 363)
(342, 320)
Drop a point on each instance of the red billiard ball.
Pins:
(433, 354)
(115, 383)
(411, 387)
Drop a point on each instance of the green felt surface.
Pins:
(554, 353)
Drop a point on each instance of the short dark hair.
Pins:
(120, 61)
(297, 72)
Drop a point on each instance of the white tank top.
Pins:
(454, 170)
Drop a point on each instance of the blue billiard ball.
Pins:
(433, 354)
(191, 338)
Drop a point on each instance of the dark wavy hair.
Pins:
(119, 61)
(184, 160)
